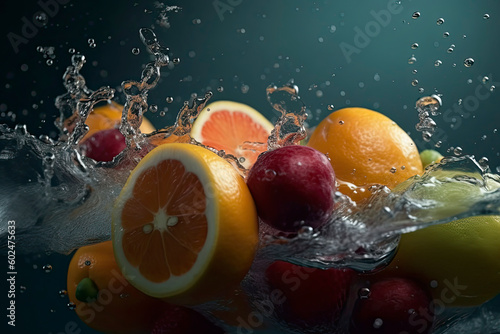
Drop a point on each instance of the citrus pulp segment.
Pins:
(185, 226)
(234, 127)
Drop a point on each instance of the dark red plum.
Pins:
(293, 186)
(104, 145)
(393, 305)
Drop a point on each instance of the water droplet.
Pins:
(437, 63)
(412, 60)
(176, 61)
(486, 16)
(378, 323)
(457, 151)
(364, 293)
(414, 82)
(62, 293)
(440, 21)
(414, 46)
(269, 174)
(305, 231)
(415, 15)
(393, 170)
(331, 107)
(88, 263)
(483, 162)
(492, 88)
(47, 268)
(49, 62)
(446, 34)
(136, 51)
(41, 18)
(468, 62)
(169, 99)
(71, 306)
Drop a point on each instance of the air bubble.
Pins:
(162, 113)
(440, 21)
(136, 51)
(87, 263)
(414, 46)
(486, 16)
(220, 89)
(49, 62)
(393, 170)
(176, 61)
(364, 293)
(241, 160)
(71, 50)
(457, 151)
(468, 62)
(196, 21)
(415, 15)
(47, 268)
(378, 323)
(446, 34)
(414, 82)
(438, 63)
(330, 107)
(42, 18)
(62, 293)
(153, 108)
(169, 99)
(414, 71)
(420, 90)
(71, 306)
(485, 79)
(412, 60)
(492, 88)
(450, 50)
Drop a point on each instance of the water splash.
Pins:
(289, 129)
(427, 106)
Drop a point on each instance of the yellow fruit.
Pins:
(233, 127)
(365, 148)
(459, 261)
(184, 226)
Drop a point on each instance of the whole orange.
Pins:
(119, 307)
(365, 148)
(105, 117)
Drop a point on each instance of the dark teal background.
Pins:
(281, 41)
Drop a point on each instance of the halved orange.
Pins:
(234, 127)
(185, 226)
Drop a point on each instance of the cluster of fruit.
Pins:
(185, 231)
